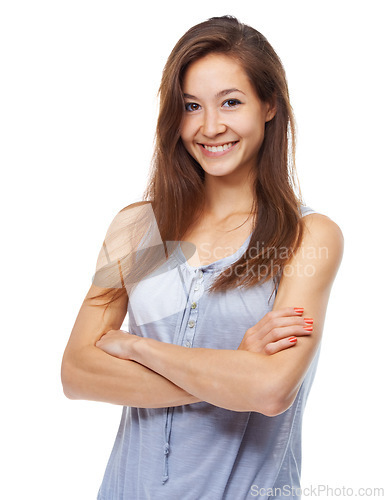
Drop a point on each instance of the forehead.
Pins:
(213, 71)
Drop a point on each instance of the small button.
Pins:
(191, 323)
(197, 287)
(187, 344)
(200, 273)
(194, 305)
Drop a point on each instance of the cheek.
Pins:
(187, 134)
(254, 128)
(185, 142)
(253, 133)
(186, 128)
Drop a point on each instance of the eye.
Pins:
(192, 106)
(231, 103)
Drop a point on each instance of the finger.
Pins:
(280, 345)
(290, 321)
(283, 332)
(286, 311)
(268, 322)
(281, 319)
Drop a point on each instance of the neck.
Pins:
(225, 197)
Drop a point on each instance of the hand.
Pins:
(117, 343)
(276, 331)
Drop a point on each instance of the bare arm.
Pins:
(253, 381)
(89, 373)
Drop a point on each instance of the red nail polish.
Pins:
(293, 339)
(308, 328)
(309, 321)
(299, 310)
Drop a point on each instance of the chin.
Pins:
(219, 172)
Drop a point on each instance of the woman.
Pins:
(226, 278)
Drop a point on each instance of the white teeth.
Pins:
(214, 149)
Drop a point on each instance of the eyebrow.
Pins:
(222, 93)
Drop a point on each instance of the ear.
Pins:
(270, 110)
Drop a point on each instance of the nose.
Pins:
(212, 124)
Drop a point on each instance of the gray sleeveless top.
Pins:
(200, 451)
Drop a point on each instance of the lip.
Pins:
(217, 154)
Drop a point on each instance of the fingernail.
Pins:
(308, 328)
(299, 310)
(309, 321)
(293, 339)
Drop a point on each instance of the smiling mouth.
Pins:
(216, 149)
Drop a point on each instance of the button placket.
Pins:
(193, 311)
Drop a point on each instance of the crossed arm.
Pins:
(263, 375)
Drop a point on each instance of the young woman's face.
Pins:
(224, 120)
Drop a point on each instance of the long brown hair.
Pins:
(176, 183)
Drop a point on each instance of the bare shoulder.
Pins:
(122, 239)
(128, 226)
(322, 244)
(130, 214)
(310, 271)
(319, 223)
(320, 229)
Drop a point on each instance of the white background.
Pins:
(78, 106)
